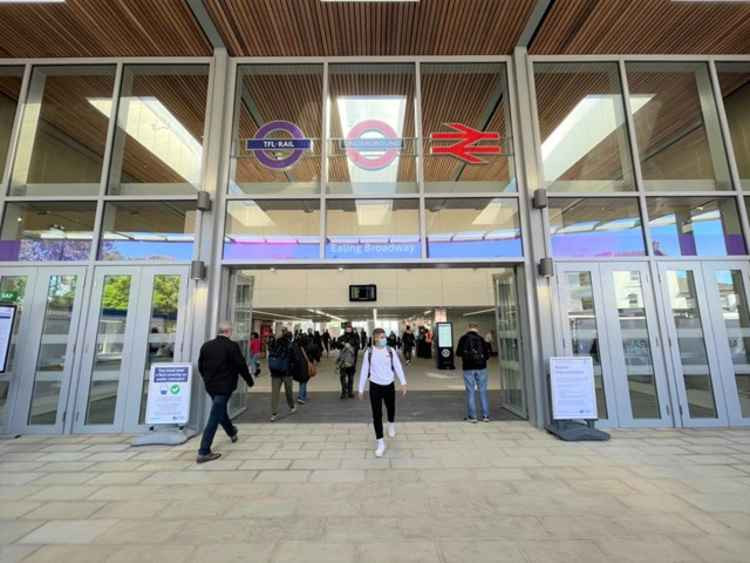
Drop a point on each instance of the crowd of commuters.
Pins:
(294, 357)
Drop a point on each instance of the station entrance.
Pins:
(266, 301)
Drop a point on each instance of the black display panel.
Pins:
(363, 292)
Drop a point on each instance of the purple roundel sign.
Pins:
(357, 146)
(263, 147)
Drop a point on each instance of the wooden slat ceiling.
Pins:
(314, 28)
(643, 27)
(101, 28)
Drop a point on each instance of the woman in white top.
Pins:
(379, 364)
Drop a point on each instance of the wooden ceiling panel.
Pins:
(313, 28)
(643, 27)
(101, 28)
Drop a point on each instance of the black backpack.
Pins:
(474, 351)
(278, 357)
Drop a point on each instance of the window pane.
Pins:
(277, 103)
(695, 226)
(734, 309)
(592, 227)
(37, 232)
(584, 334)
(473, 228)
(10, 87)
(691, 343)
(160, 119)
(585, 144)
(372, 228)
(162, 334)
(636, 345)
(110, 343)
(372, 145)
(677, 127)
(53, 349)
(272, 230)
(63, 131)
(734, 79)
(474, 95)
(148, 231)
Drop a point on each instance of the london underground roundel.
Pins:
(372, 153)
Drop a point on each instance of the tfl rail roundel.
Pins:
(264, 147)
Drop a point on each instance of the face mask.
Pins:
(380, 343)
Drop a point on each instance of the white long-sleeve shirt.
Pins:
(381, 372)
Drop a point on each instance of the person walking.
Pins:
(474, 353)
(408, 341)
(220, 364)
(347, 361)
(255, 351)
(308, 352)
(326, 340)
(362, 339)
(279, 364)
(381, 365)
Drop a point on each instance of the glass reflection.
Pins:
(291, 93)
(693, 226)
(508, 339)
(691, 343)
(162, 333)
(158, 146)
(272, 230)
(582, 124)
(371, 126)
(734, 310)
(584, 334)
(594, 227)
(473, 228)
(10, 87)
(53, 349)
(636, 346)
(677, 127)
(475, 95)
(148, 231)
(372, 228)
(12, 292)
(109, 346)
(734, 79)
(48, 231)
(63, 133)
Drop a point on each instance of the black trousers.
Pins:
(407, 353)
(378, 394)
(346, 376)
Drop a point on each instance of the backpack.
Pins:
(474, 351)
(369, 360)
(299, 365)
(278, 356)
(346, 357)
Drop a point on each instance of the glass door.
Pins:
(637, 359)
(727, 285)
(16, 288)
(138, 319)
(696, 367)
(240, 314)
(581, 304)
(510, 350)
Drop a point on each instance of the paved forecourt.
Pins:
(444, 492)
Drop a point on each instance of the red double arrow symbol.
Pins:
(466, 147)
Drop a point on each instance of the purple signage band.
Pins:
(260, 145)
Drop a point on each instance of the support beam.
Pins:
(206, 24)
(534, 22)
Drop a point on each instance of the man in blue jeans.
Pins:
(474, 353)
(220, 364)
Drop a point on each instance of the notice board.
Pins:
(572, 388)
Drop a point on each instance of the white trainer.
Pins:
(391, 429)
(380, 450)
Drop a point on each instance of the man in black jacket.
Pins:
(474, 353)
(220, 363)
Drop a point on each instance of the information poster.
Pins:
(7, 317)
(169, 393)
(445, 335)
(572, 387)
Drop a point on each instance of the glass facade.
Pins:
(375, 161)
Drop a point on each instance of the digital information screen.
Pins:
(363, 292)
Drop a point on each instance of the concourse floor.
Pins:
(434, 395)
(444, 492)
